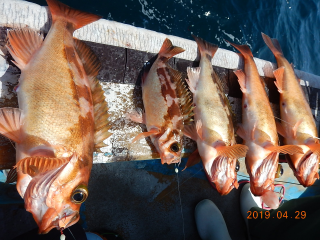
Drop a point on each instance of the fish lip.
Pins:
(46, 226)
(299, 174)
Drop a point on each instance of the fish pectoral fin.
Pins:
(190, 131)
(235, 151)
(12, 176)
(281, 130)
(241, 79)
(286, 149)
(278, 74)
(167, 50)
(76, 17)
(10, 123)
(23, 44)
(35, 165)
(135, 116)
(295, 128)
(193, 159)
(199, 129)
(193, 78)
(145, 134)
(241, 132)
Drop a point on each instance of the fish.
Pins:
(297, 125)
(258, 129)
(213, 125)
(62, 117)
(167, 105)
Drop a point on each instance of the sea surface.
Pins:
(295, 23)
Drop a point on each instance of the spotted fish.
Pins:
(167, 105)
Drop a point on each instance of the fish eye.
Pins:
(80, 194)
(237, 166)
(279, 172)
(175, 147)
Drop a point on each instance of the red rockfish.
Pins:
(61, 117)
(297, 126)
(213, 129)
(258, 130)
(167, 105)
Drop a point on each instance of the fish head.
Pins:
(54, 197)
(224, 174)
(262, 173)
(306, 167)
(169, 146)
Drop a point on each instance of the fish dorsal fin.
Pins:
(92, 66)
(184, 96)
(89, 60)
(35, 165)
(76, 17)
(101, 116)
(23, 44)
(10, 123)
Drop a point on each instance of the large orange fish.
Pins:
(61, 117)
(297, 126)
(258, 128)
(167, 105)
(213, 131)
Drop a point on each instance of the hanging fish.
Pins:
(258, 129)
(297, 126)
(167, 105)
(213, 129)
(61, 117)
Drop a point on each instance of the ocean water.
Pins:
(295, 23)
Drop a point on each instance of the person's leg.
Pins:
(210, 222)
(247, 201)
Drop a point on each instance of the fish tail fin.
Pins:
(272, 44)
(167, 50)
(243, 49)
(205, 47)
(76, 17)
(235, 151)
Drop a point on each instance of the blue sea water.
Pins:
(295, 23)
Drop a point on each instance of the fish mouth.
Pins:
(224, 188)
(260, 190)
(262, 177)
(223, 174)
(169, 158)
(307, 169)
(61, 221)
